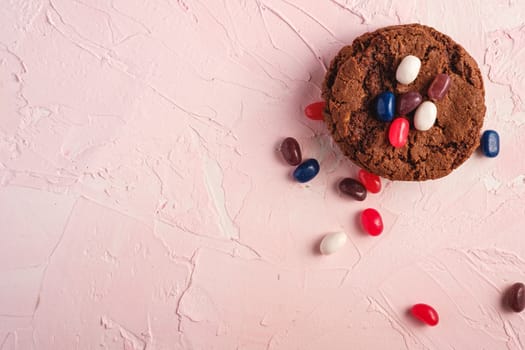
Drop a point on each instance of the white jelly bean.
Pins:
(332, 242)
(408, 69)
(425, 116)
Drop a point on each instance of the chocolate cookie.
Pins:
(365, 69)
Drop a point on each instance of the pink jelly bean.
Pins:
(372, 222)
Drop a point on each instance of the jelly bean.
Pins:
(408, 69)
(306, 171)
(372, 222)
(332, 242)
(425, 313)
(385, 106)
(314, 111)
(291, 151)
(353, 188)
(398, 132)
(406, 103)
(439, 87)
(425, 116)
(516, 297)
(490, 143)
(371, 181)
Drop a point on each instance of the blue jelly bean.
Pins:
(306, 171)
(385, 106)
(490, 143)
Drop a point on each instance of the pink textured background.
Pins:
(143, 205)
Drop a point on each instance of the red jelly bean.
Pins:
(372, 222)
(398, 132)
(371, 181)
(314, 111)
(425, 313)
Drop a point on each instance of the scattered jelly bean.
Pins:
(408, 69)
(314, 111)
(490, 143)
(439, 87)
(353, 188)
(406, 103)
(372, 222)
(332, 242)
(398, 132)
(372, 182)
(306, 171)
(425, 116)
(291, 151)
(516, 297)
(425, 313)
(385, 106)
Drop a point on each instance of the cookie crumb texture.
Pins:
(363, 70)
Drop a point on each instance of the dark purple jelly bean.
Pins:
(439, 87)
(406, 103)
(516, 297)
(291, 151)
(353, 188)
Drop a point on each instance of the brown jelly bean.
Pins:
(406, 103)
(439, 87)
(291, 151)
(353, 188)
(516, 297)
